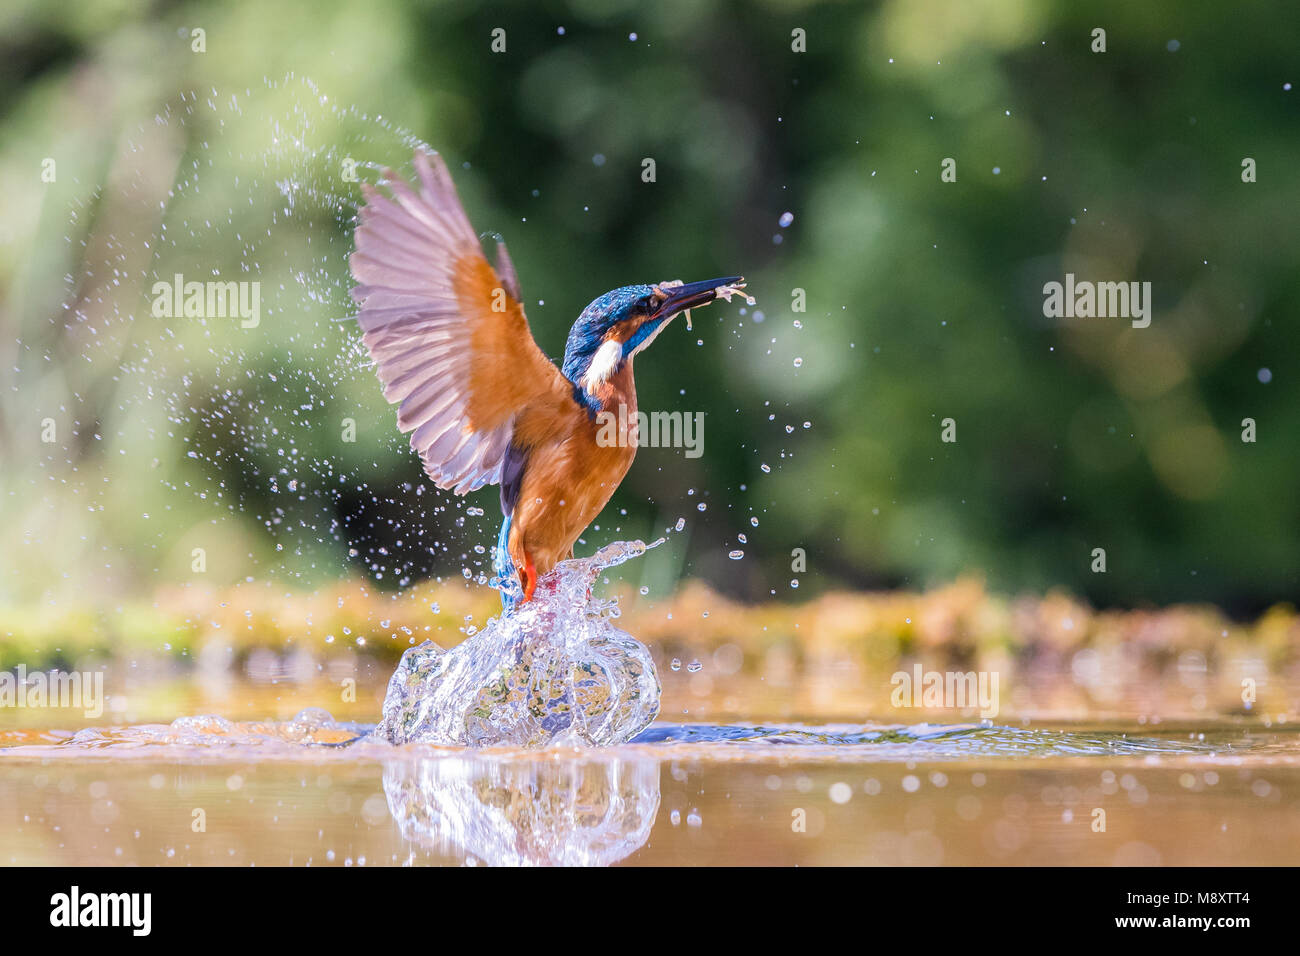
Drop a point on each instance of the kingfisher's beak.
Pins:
(692, 295)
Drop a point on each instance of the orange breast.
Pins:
(574, 466)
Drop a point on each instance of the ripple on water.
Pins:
(314, 734)
(920, 741)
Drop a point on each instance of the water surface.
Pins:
(316, 791)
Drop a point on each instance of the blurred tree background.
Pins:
(924, 299)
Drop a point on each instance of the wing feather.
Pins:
(446, 331)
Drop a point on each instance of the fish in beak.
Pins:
(684, 296)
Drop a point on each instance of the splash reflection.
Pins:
(579, 811)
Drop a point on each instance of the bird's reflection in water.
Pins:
(539, 811)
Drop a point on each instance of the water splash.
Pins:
(553, 671)
(267, 430)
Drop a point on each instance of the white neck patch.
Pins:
(603, 365)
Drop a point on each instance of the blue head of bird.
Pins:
(622, 322)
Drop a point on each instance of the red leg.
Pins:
(530, 579)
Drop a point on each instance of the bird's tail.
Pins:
(507, 575)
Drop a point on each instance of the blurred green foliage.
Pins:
(924, 298)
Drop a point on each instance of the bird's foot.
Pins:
(530, 581)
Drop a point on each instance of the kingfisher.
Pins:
(482, 402)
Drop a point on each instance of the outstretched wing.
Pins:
(447, 332)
